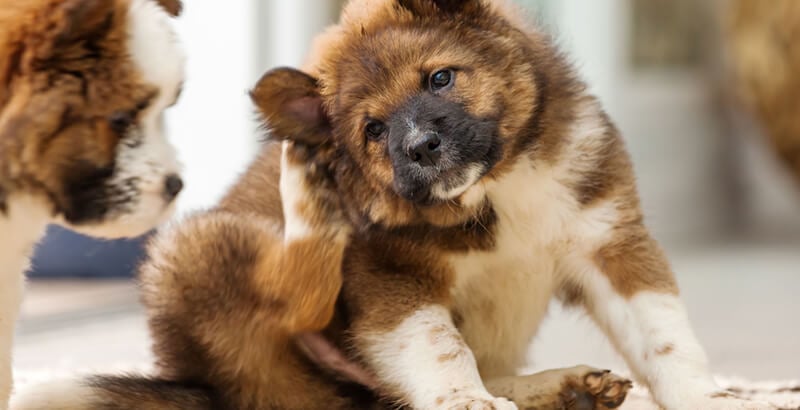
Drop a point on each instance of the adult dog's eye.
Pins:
(120, 121)
(374, 130)
(441, 79)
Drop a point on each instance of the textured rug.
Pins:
(783, 394)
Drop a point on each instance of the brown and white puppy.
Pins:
(488, 180)
(478, 180)
(83, 87)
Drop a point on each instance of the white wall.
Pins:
(288, 27)
(212, 125)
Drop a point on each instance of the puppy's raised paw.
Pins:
(311, 204)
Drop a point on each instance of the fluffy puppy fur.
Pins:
(83, 85)
(470, 178)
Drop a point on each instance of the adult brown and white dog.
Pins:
(448, 175)
(83, 88)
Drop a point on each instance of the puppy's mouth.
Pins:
(446, 186)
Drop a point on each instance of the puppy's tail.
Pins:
(128, 392)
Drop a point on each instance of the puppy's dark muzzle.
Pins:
(426, 151)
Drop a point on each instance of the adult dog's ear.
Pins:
(173, 7)
(291, 106)
(62, 40)
(80, 21)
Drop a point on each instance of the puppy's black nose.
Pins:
(173, 186)
(425, 151)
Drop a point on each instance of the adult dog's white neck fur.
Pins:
(21, 227)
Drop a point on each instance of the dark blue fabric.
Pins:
(65, 254)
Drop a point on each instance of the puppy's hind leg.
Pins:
(574, 388)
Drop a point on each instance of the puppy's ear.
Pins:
(173, 7)
(290, 104)
(431, 8)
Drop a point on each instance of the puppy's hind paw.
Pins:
(601, 389)
(596, 390)
(574, 388)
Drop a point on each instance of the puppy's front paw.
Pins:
(588, 388)
(475, 401)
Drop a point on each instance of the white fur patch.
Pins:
(64, 394)
(471, 176)
(426, 358)
(293, 189)
(155, 50)
(20, 229)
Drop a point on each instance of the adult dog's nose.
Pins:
(173, 186)
(425, 151)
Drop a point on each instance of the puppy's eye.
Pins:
(441, 79)
(120, 121)
(374, 130)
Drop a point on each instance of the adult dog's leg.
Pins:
(11, 284)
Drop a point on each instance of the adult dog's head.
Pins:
(426, 100)
(83, 89)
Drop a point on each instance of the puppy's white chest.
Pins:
(500, 296)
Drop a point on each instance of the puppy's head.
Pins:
(83, 89)
(428, 98)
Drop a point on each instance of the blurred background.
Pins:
(706, 94)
